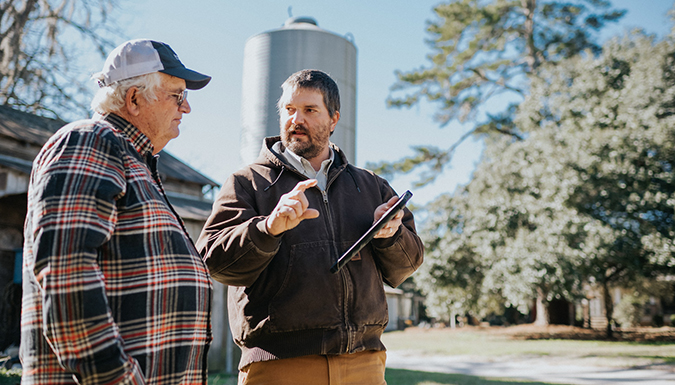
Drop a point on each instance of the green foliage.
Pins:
(587, 196)
(629, 310)
(481, 50)
(608, 115)
(10, 377)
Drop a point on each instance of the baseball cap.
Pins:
(141, 57)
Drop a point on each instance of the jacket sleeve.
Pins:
(234, 242)
(73, 201)
(402, 254)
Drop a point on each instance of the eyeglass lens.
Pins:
(181, 98)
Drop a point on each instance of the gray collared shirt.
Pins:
(304, 167)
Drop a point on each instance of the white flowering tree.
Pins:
(587, 196)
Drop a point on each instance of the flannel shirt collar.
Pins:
(138, 139)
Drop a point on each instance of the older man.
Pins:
(278, 226)
(114, 291)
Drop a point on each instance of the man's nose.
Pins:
(185, 107)
(297, 117)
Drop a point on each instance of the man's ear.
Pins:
(131, 101)
(334, 121)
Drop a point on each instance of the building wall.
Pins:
(12, 182)
(12, 214)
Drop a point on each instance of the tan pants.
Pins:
(364, 368)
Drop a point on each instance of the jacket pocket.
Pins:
(369, 306)
(310, 296)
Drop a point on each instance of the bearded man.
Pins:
(277, 227)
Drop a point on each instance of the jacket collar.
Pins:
(270, 157)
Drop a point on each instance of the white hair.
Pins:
(112, 98)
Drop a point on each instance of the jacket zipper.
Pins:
(343, 273)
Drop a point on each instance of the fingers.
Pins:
(392, 226)
(296, 198)
(292, 208)
(381, 209)
(304, 185)
(310, 214)
(391, 201)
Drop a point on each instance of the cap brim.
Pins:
(193, 79)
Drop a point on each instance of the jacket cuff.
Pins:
(263, 240)
(383, 243)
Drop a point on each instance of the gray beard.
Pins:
(305, 150)
(309, 149)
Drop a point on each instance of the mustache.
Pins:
(299, 128)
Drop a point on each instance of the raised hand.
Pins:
(291, 209)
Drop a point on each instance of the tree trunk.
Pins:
(541, 309)
(609, 308)
(531, 57)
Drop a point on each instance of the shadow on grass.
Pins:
(6, 380)
(414, 377)
(666, 360)
(10, 377)
(222, 379)
(411, 377)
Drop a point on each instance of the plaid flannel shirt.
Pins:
(113, 288)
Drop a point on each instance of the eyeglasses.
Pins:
(180, 97)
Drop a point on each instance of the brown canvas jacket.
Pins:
(283, 300)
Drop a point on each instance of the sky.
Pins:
(209, 36)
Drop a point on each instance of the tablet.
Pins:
(368, 236)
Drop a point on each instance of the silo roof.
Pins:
(294, 21)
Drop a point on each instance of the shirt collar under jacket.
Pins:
(138, 139)
(304, 167)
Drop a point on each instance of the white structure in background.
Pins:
(403, 307)
(271, 57)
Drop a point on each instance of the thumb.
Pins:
(392, 201)
(310, 214)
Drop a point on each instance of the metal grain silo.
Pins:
(271, 57)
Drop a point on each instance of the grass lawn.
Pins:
(504, 343)
(222, 379)
(412, 377)
(510, 342)
(553, 342)
(9, 377)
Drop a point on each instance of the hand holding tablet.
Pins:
(370, 234)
